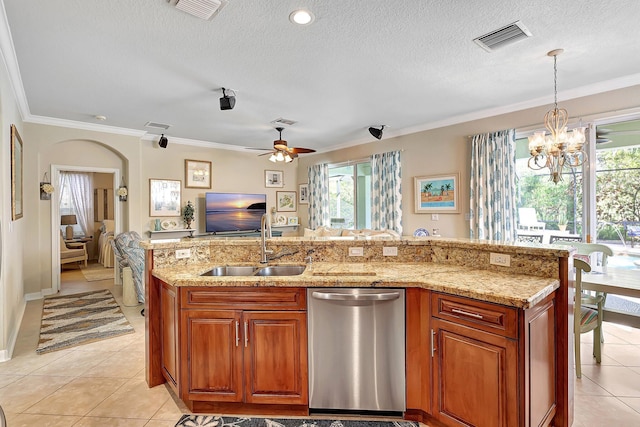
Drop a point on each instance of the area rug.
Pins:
(218, 421)
(95, 272)
(71, 320)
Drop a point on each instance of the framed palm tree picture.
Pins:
(437, 193)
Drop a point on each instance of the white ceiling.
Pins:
(409, 64)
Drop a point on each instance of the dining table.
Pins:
(614, 280)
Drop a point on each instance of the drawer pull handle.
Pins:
(246, 334)
(237, 333)
(467, 313)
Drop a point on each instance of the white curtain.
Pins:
(493, 186)
(386, 192)
(80, 188)
(318, 196)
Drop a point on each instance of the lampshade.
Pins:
(68, 220)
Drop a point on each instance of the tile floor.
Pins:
(102, 383)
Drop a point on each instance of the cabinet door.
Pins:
(169, 333)
(213, 355)
(275, 357)
(475, 376)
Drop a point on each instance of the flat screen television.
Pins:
(226, 212)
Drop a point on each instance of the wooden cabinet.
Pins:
(492, 365)
(235, 349)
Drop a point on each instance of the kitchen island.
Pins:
(485, 344)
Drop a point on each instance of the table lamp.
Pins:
(68, 220)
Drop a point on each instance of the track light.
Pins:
(163, 141)
(377, 133)
(227, 102)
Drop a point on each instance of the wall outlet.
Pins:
(500, 259)
(183, 253)
(435, 217)
(389, 251)
(356, 251)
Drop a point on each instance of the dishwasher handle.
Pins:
(333, 296)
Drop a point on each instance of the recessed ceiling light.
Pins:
(101, 118)
(301, 17)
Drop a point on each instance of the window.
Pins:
(350, 195)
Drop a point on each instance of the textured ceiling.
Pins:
(409, 64)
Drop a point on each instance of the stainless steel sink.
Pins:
(281, 270)
(245, 270)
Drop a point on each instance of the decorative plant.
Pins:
(47, 188)
(187, 213)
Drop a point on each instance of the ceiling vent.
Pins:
(282, 121)
(157, 125)
(203, 9)
(502, 37)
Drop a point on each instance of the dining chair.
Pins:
(586, 319)
(586, 249)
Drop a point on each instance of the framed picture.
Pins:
(164, 197)
(16, 174)
(437, 193)
(197, 174)
(293, 220)
(274, 179)
(303, 194)
(286, 201)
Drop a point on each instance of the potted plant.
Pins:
(562, 220)
(187, 214)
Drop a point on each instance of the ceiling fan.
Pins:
(282, 152)
(602, 134)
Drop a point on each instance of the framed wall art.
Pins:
(437, 193)
(274, 179)
(286, 201)
(164, 197)
(17, 205)
(197, 174)
(303, 194)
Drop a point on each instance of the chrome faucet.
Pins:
(265, 232)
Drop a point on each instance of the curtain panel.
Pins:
(318, 196)
(386, 192)
(80, 187)
(493, 186)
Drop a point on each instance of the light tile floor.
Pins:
(102, 383)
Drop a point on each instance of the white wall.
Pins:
(12, 233)
(448, 149)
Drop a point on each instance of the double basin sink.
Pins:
(249, 270)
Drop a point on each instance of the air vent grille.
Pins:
(503, 36)
(204, 9)
(282, 121)
(157, 125)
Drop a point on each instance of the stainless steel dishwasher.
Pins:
(356, 349)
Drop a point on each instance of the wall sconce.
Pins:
(123, 192)
(46, 189)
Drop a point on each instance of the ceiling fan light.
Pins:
(287, 158)
(279, 156)
(273, 157)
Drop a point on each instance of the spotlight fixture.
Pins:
(163, 141)
(377, 133)
(227, 102)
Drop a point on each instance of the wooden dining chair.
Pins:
(586, 319)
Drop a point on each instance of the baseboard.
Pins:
(7, 353)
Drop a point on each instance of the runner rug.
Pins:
(217, 421)
(71, 320)
(95, 272)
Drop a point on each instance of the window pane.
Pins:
(341, 195)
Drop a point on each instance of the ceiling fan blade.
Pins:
(265, 154)
(301, 150)
(259, 149)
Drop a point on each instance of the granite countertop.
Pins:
(514, 290)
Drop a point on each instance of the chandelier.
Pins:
(561, 148)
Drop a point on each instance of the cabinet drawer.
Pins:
(488, 317)
(244, 298)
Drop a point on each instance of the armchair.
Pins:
(72, 252)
